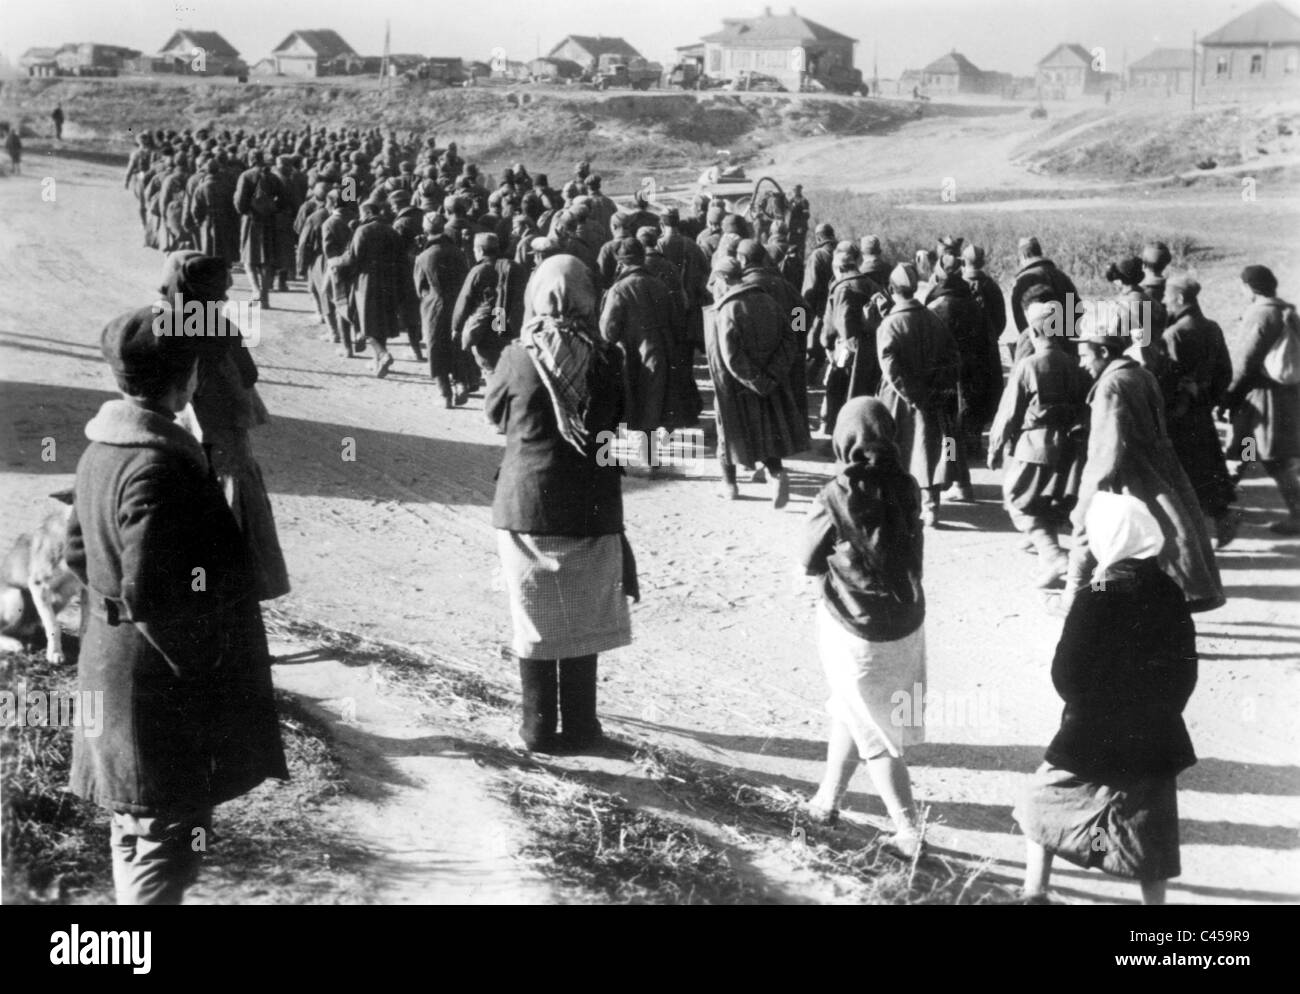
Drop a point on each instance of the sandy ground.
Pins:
(398, 544)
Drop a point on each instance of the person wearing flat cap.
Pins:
(1144, 316)
(1264, 410)
(172, 634)
(682, 404)
(845, 330)
(1129, 452)
(635, 317)
(1155, 260)
(988, 294)
(440, 273)
(750, 351)
(490, 307)
(379, 272)
(919, 366)
(819, 271)
(259, 197)
(874, 266)
(1036, 270)
(1200, 371)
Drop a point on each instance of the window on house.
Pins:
(715, 60)
(1291, 64)
(1221, 66)
(1256, 64)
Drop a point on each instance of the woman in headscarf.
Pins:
(1106, 794)
(557, 396)
(864, 538)
(226, 407)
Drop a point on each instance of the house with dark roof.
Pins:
(1257, 52)
(1164, 72)
(951, 73)
(199, 52)
(314, 52)
(586, 50)
(789, 47)
(1069, 71)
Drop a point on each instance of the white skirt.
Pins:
(877, 689)
(566, 594)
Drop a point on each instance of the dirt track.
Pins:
(399, 544)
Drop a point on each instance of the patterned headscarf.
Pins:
(561, 342)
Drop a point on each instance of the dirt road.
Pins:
(398, 543)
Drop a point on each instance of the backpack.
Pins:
(1282, 364)
(263, 202)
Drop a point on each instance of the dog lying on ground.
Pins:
(36, 584)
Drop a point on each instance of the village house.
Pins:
(1255, 54)
(788, 47)
(954, 73)
(39, 61)
(1067, 72)
(91, 59)
(1164, 72)
(311, 53)
(182, 51)
(586, 50)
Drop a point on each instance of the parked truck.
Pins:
(622, 72)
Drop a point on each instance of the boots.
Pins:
(578, 703)
(1284, 473)
(537, 678)
(1055, 562)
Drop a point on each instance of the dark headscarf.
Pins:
(865, 433)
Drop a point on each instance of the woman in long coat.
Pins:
(557, 397)
(171, 631)
(1129, 452)
(750, 351)
(440, 272)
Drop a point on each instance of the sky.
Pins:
(1004, 35)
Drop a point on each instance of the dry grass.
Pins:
(274, 845)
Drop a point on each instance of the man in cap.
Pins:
(694, 266)
(874, 265)
(979, 382)
(846, 329)
(758, 270)
(797, 218)
(1144, 318)
(682, 404)
(607, 257)
(711, 236)
(311, 257)
(440, 273)
(819, 270)
(212, 209)
(988, 295)
(635, 317)
(380, 272)
(259, 197)
(286, 239)
(1265, 412)
(189, 717)
(1038, 428)
(601, 207)
(490, 307)
(1155, 260)
(1035, 270)
(1200, 371)
(1129, 452)
(919, 365)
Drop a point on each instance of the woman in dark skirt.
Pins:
(557, 397)
(1106, 795)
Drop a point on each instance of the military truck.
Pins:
(623, 72)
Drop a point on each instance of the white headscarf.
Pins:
(1120, 527)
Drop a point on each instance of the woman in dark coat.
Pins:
(750, 351)
(171, 631)
(1106, 794)
(440, 272)
(557, 397)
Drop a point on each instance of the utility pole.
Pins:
(1193, 70)
(383, 63)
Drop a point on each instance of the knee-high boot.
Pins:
(538, 680)
(578, 702)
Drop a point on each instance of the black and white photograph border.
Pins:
(709, 453)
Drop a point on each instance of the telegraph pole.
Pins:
(1193, 70)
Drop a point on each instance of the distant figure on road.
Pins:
(14, 146)
(57, 118)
